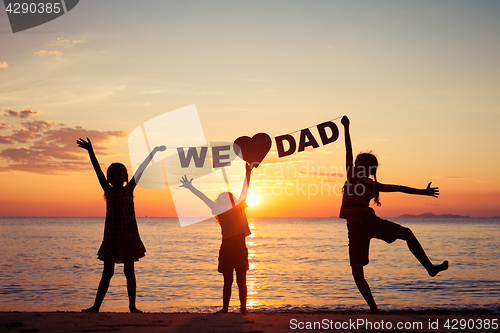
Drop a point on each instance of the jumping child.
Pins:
(121, 242)
(233, 254)
(362, 223)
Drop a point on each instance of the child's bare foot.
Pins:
(92, 309)
(435, 269)
(134, 310)
(244, 311)
(372, 311)
(223, 310)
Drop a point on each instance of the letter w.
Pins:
(199, 160)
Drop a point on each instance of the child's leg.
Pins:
(128, 270)
(241, 280)
(417, 250)
(363, 287)
(226, 291)
(107, 274)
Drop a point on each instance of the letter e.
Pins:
(218, 157)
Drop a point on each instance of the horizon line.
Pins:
(308, 217)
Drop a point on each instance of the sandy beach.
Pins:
(253, 322)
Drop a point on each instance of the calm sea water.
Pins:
(50, 264)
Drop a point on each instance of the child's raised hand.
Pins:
(185, 182)
(432, 191)
(345, 121)
(160, 148)
(84, 144)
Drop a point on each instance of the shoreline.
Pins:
(435, 321)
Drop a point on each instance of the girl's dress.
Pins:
(121, 240)
(233, 253)
(362, 223)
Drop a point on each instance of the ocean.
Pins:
(296, 264)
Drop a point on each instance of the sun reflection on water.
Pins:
(252, 283)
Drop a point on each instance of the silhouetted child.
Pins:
(363, 224)
(121, 242)
(233, 254)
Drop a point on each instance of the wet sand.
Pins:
(253, 322)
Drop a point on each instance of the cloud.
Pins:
(23, 154)
(30, 130)
(432, 204)
(21, 114)
(5, 139)
(58, 44)
(334, 173)
(43, 53)
(3, 125)
(48, 168)
(66, 43)
(4, 65)
(50, 147)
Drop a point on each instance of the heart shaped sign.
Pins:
(253, 149)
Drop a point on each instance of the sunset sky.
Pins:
(419, 80)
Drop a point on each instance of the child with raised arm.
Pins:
(233, 254)
(362, 223)
(121, 242)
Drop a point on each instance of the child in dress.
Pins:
(121, 243)
(363, 224)
(233, 254)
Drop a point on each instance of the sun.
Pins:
(252, 199)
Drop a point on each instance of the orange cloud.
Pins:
(21, 114)
(66, 43)
(43, 53)
(4, 65)
(333, 174)
(50, 147)
(5, 139)
(3, 125)
(31, 130)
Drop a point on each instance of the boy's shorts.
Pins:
(232, 258)
(361, 232)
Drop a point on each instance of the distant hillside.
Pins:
(430, 215)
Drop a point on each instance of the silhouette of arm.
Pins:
(348, 147)
(246, 184)
(187, 184)
(138, 174)
(430, 191)
(87, 145)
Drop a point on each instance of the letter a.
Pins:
(307, 139)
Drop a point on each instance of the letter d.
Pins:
(281, 148)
